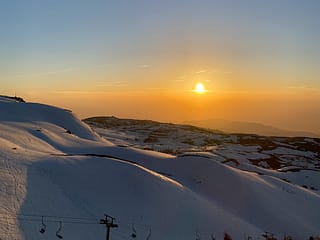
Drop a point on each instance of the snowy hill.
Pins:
(277, 153)
(54, 170)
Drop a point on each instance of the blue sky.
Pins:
(40, 36)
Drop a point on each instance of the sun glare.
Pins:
(200, 88)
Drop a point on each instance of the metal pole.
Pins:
(108, 232)
(109, 225)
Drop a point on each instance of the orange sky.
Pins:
(290, 109)
(259, 60)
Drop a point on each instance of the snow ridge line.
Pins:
(158, 174)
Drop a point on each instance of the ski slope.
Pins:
(54, 165)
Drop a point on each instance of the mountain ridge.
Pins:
(249, 128)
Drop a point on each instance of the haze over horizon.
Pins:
(259, 61)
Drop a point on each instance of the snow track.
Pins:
(12, 196)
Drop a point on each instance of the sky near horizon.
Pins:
(259, 60)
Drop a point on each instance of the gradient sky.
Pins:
(259, 59)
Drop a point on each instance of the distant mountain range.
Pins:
(234, 149)
(248, 127)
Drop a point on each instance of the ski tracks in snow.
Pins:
(12, 192)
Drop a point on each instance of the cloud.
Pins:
(303, 87)
(156, 88)
(77, 92)
(178, 80)
(145, 66)
(112, 84)
(202, 71)
(103, 65)
(62, 71)
(41, 74)
(213, 71)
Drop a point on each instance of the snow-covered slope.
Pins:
(53, 165)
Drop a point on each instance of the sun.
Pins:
(200, 88)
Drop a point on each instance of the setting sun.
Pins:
(200, 88)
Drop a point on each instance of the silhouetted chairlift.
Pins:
(43, 227)
(197, 236)
(149, 235)
(59, 230)
(134, 232)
